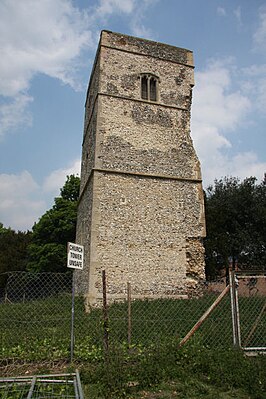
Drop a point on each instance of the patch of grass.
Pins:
(191, 389)
(192, 372)
(40, 329)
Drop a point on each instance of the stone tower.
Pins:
(141, 208)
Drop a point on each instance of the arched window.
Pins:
(153, 89)
(144, 87)
(149, 87)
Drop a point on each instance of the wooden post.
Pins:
(105, 315)
(129, 324)
(204, 317)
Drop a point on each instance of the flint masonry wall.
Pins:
(141, 211)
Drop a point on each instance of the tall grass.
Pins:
(40, 330)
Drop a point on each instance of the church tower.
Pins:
(141, 207)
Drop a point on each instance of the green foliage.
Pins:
(236, 224)
(13, 250)
(70, 190)
(3, 229)
(47, 251)
(190, 372)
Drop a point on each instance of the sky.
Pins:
(47, 48)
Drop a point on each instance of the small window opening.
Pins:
(153, 89)
(144, 87)
(149, 87)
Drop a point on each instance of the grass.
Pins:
(190, 372)
(152, 366)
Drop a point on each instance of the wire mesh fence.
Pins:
(35, 316)
(252, 311)
(151, 322)
(35, 320)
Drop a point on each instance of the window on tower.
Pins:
(144, 88)
(149, 87)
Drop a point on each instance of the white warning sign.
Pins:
(75, 255)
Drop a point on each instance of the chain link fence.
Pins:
(154, 322)
(252, 311)
(36, 315)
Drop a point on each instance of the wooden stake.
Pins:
(129, 325)
(204, 317)
(105, 314)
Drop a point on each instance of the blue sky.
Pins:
(47, 50)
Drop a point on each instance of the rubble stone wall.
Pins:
(141, 208)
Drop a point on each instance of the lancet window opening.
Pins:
(149, 87)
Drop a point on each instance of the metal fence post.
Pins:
(72, 338)
(234, 310)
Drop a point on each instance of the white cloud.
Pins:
(241, 165)
(14, 113)
(107, 7)
(221, 11)
(137, 26)
(57, 178)
(247, 164)
(255, 85)
(215, 103)
(37, 37)
(139, 29)
(259, 36)
(238, 15)
(134, 9)
(219, 108)
(23, 201)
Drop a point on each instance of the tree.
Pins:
(13, 249)
(47, 251)
(13, 252)
(236, 224)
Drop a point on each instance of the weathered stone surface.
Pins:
(141, 209)
(147, 47)
(84, 222)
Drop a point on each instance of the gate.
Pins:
(67, 386)
(248, 299)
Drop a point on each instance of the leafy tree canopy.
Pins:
(13, 249)
(236, 224)
(47, 251)
(3, 229)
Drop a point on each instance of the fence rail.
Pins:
(66, 386)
